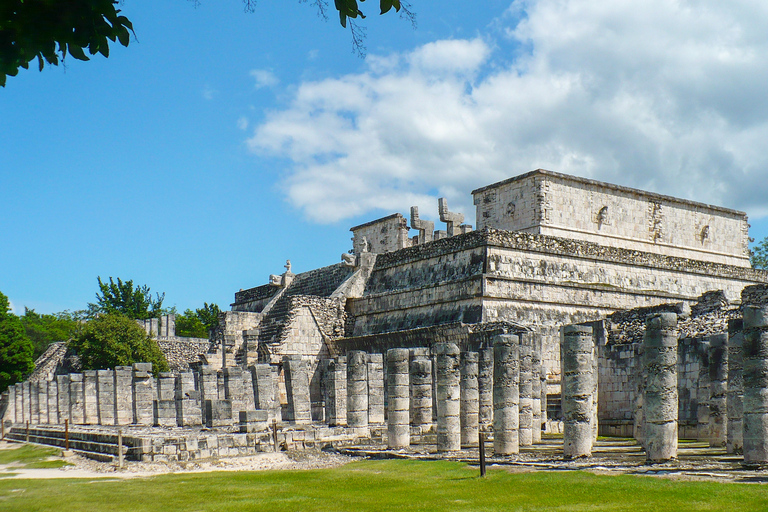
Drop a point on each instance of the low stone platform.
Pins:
(168, 444)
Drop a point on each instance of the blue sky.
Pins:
(219, 143)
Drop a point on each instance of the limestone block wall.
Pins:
(555, 204)
(425, 285)
(382, 235)
(181, 352)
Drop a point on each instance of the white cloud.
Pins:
(264, 78)
(666, 96)
(242, 123)
(209, 93)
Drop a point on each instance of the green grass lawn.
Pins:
(32, 456)
(391, 485)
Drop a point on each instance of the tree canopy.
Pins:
(42, 330)
(16, 351)
(759, 257)
(198, 323)
(113, 340)
(121, 297)
(49, 30)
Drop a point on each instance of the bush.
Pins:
(115, 340)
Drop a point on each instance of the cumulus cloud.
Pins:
(264, 78)
(664, 96)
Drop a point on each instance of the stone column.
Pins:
(702, 392)
(209, 388)
(398, 421)
(375, 388)
(421, 391)
(755, 362)
(525, 406)
(470, 399)
(90, 397)
(19, 403)
(577, 386)
(506, 394)
(264, 391)
(718, 390)
(26, 389)
(123, 395)
(76, 399)
(357, 389)
(105, 390)
(62, 385)
(543, 376)
(42, 401)
(297, 390)
(165, 405)
(448, 393)
(485, 388)
(11, 411)
(188, 406)
(336, 391)
(660, 397)
(53, 402)
(735, 429)
(233, 389)
(638, 428)
(34, 403)
(143, 393)
(249, 393)
(536, 389)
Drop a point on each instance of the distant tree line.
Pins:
(103, 335)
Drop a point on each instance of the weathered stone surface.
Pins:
(253, 421)
(470, 399)
(357, 389)
(143, 393)
(718, 391)
(336, 391)
(76, 398)
(123, 395)
(536, 389)
(448, 394)
(660, 396)
(398, 405)
(577, 388)
(755, 350)
(735, 401)
(506, 394)
(525, 407)
(297, 390)
(421, 391)
(485, 388)
(218, 413)
(105, 389)
(375, 389)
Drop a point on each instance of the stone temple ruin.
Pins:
(574, 306)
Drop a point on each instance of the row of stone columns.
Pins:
(131, 395)
(736, 379)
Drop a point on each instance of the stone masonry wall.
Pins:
(554, 204)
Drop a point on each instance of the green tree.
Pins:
(759, 257)
(49, 30)
(112, 340)
(45, 329)
(198, 323)
(121, 297)
(16, 351)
